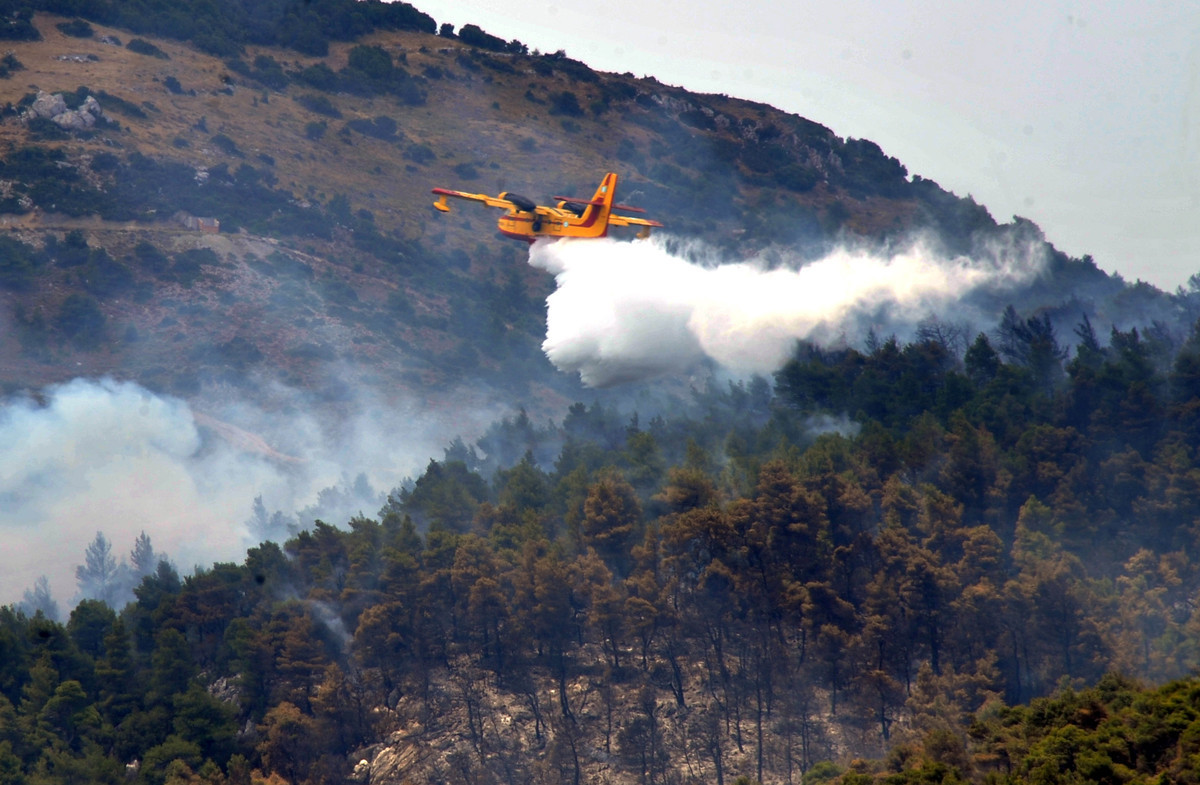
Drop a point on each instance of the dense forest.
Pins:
(935, 561)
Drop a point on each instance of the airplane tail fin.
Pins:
(598, 210)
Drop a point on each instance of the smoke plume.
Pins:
(625, 311)
(105, 456)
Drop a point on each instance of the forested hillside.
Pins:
(963, 554)
(742, 588)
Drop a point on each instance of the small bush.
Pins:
(698, 119)
(45, 130)
(372, 61)
(119, 104)
(141, 47)
(573, 68)
(318, 103)
(150, 258)
(268, 71)
(496, 64)
(172, 84)
(240, 353)
(239, 66)
(76, 28)
(81, 320)
(17, 263)
(420, 153)
(187, 267)
(227, 145)
(18, 27)
(9, 64)
(566, 103)
(319, 76)
(105, 276)
(797, 178)
(473, 35)
(105, 162)
(467, 62)
(378, 128)
(466, 171)
(315, 130)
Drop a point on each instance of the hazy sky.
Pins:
(1084, 117)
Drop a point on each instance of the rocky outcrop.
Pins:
(53, 107)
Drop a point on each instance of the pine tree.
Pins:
(97, 576)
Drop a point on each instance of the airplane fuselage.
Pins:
(550, 222)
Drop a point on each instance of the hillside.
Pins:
(912, 557)
(329, 256)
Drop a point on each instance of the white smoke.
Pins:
(624, 311)
(108, 456)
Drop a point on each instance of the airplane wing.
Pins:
(625, 220)
(490, 201)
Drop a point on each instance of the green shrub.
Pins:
(105, 162)
(420, 153)
(76, 28)
(573, 68)
(187, 266)
(239, 66)
(240, 353)
(319, 76)
(19, 27)
(119, 104)
(566, 103)
(9, 64)
(372, 61)
(473, 35)
(315, 130)
(17, 263)
(317, 103)
(378, 128)
(798, 178)
(227, 145)
(104, 276)
(268, 71)
(45, 130)
(141, 47)
(81, 320)
(150, 258)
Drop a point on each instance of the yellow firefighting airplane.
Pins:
(528, 221)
